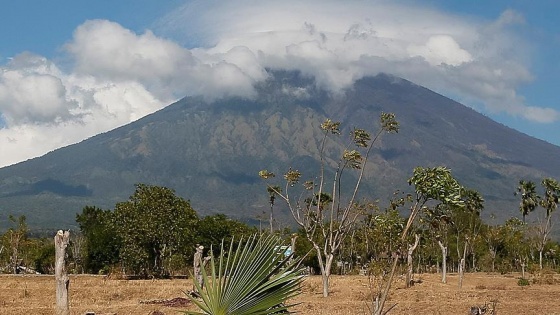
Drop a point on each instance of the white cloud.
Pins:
(543, 115)
(34, 97)
(440, 50)
(107, 51)
(30, 91)
(509, 17)
(44, 109)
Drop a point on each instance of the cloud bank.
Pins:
(476, 61)
(112, 76)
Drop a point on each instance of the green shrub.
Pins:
(522, 282)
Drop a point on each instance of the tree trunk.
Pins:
(409, 260)
(325, 267)
(61, 277)
(325, 279)
(462, 260)
(461, 271)
(271, 218)
(462, 264)
(540, 258)
(14, 260)
(293, 243)
(493, 255)
(326, 273)
(443, 262)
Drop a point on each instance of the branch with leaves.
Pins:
(430, 184)
(319, 207)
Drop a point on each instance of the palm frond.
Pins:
(253, 279)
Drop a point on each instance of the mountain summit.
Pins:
(211, 151)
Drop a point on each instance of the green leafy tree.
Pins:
(102, 243)
(466, 227)
(435, 184)
(378, 234)
(214, 229)
(255, 278)
(327, 214)
(469, 223)
(43, 255)
(493, 240)
(432, 185)
(516, 244)
(305, 250)
(154, 224)
(22, 250)
(438, 221)
(378, 237)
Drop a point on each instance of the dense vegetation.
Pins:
(154, 234)
(471, 244)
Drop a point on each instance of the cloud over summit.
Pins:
(479, 61)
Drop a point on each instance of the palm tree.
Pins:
(256, 278)
(551, 195)
(529, 197)
(549, 202)
(272, 192)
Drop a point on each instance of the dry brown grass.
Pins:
(27, 295)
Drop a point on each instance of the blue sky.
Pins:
(72, 69)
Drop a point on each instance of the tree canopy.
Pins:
(154, 224)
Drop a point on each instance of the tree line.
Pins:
(152, 234)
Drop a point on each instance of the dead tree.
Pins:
(16, 240)
(61, 240)
(78, 242)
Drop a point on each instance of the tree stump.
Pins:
(61, 240)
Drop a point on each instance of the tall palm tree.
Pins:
(551, 195)
(549, 202)
(529, 198)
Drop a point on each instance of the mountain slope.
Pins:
(211, 153)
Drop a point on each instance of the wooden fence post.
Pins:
(61, 240)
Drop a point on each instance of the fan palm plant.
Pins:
(255, 278)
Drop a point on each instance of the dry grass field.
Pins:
(34, 295)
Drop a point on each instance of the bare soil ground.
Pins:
(35, 295)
